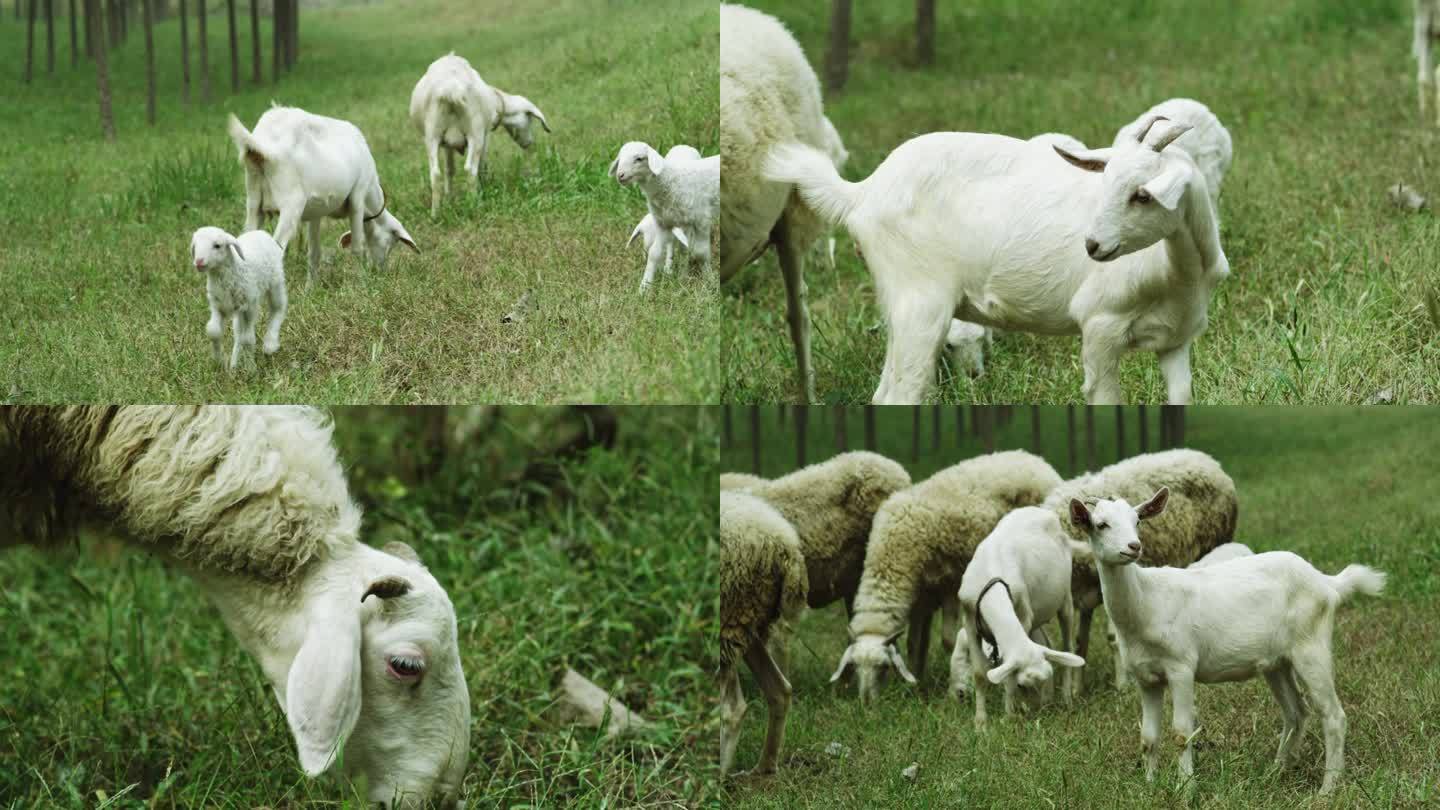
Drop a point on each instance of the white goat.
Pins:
(683, 195)
(454, 108)
(1427, 29)
(1207, 142)
(989, 228)
(238, 273)
(306, 167)
(659, 242)
(1017, 582)
(1270, 614)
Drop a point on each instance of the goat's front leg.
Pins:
(449, 169)
(916, 322)
(243, 355)
(1175, 368)
(254, 181)
(215, 330)
(979, 664)
(1100, 350)
(357, 228)
(1182, 697)
(1152, 716)
(312, 262)
(437, 181)
(1067, 617)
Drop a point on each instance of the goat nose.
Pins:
(1092, 247)
(1135, 547)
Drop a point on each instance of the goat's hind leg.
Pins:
(1282, 685)
(777, 699)
(732, 711)
(916, 321)
(797, 312)
(1313, 667)
(278, 305)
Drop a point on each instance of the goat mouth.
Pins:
(1107, 256)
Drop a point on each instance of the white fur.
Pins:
(683, 194)
(454, 109)
(239, 272)
(307, 167)
(967, 344)
(1269, 614)
(1029, 552)
(1225, 552)
(1427, 27)
(1207, 142)
(659, 242)
(996, 230)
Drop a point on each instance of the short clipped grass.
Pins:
(123, 684)
(1333, 294)
(101, 303)
(1336, 485)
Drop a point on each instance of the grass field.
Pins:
(1337, 485)
(122, 683)
(101, 303)
(1327, 298)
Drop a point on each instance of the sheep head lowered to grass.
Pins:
(359, 644)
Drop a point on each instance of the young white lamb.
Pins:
(927, 223)
(1270, 614)
(683, 195)
(922, 540)
(358, 644)
(1207, 142)
(762, 590)
(307, 167)
(1017, 582)
(454, 109)
(1427, 30)
(659, 242)
(768, 95)
(238, 273)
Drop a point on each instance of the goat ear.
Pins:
(844, 662)
(403, 235)
(235, 248)
(1079, 514)
(388, 587)
(322, 691)
(614, 164)
(1169, 186)
(534, 112)
(1063, 659)
(345, 239)
(657, 163)
(1154, 506)
(899, 662)
(1091, 160)
(395, 548)
(999, 673)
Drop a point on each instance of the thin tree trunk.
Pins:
(842, 429)
(1090, 438)
(837, 58)
(124, 20)
(148, 20)
(925, 31)
(985, 415)
(1070, 438)
(89, 42)
(1144, 422)
(755, 439)
(74, 37)
(30, 41)
(935, 435)
(256, 76)
(94, 20)
(294, 52)
(727, 427)
(1035, 430)
(914, 433)
(204, 52)
(49, 36)
(234, 48)
(802, 434)
(1119, 432)
(185, 50)
(277, 46)
(870, 428)
(959, 426)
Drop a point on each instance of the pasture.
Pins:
(101, 303)
(130, 693)
(1332, 295)
(1335, 484)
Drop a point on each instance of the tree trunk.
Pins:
(842, 429)
(925, 31)
(124, 20)
(30, 42)
(74, 37)
(1035, 430)
(148, 20)
(727, 427)
(985, 415)
(293, 54)
(234, 48)
(914, 433)
(935, 435)
(837, 58)
(870, 428)
(1144, 423)
(1119, 432)
(802, 428)
(185, 51)
(93, 20)
(959, 426)
(277, 29)
(755, 439)
(1070, 438)
(256, 76)
(1090, 438)
(49, 36)
(204, 52)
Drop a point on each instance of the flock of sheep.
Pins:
(1001, 546)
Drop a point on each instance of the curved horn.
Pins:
(1168, 137)
(1146, 124)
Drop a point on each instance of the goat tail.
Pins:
(813, 174)
(1358, 579)
(250, 148)
(639, 228)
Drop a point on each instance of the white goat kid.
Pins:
(239, 272)
(659, 242)
(1270, 614)
(307, 167)
(683, 195)
(988, 229)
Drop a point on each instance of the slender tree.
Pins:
(124, 20)
(837, 57)
(74, 38)
(925, 31)
(1070, 438)
(935, 436)
(870, 428)
(1035, 430)
(985, 415)
(147, 18)
(1090, 437)
(914, 433)
(802, 428)
(1144, 422)
(234, 48)
(184, 51)
(204, 51)
(293, 54)
(1119, 432)
(842, 430)
(755, 439)
(727, 427)
(277, 41)
(30, 42)
(49, 36)
(94, 20)
(255, 77)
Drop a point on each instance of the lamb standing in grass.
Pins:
(762, 590)
(455, 110)
(358, 644)
(683, 195)
(922, 540)
(659, 243)
(239, 272)
(1270, 614)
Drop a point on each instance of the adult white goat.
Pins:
(989, 229)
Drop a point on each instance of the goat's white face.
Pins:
(636, 162)
(212, 247)
(872, 657)
(1113, 526)
(377, 686)
(1142, 190)
(382, 234)
(519, 120)
(1032, 665)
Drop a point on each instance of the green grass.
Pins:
(1327, 298)
(1337, 485)
(101, 304)
(120, 679)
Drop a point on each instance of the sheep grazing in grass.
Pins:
(659, 242)
(768, 95)
(762, 590)
(239, 272)
(1201, 516)
(925, 220)
(359, 645)
(1427, 30)
(683, 195)
(1269, 614)
(307, 167)
(1207, 141)
(1018, 582)
(922, 539)
(455, 110)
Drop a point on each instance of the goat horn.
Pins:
(1146, 124)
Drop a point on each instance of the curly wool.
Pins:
(739, 481)
(762, 574)
(1200, 514)
(924, 536)
(254, 490)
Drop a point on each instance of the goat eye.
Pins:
(405, 667)
(1141, 196)
(1102, 526)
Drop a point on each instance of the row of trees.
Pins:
(837, 57)
(107, 23)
